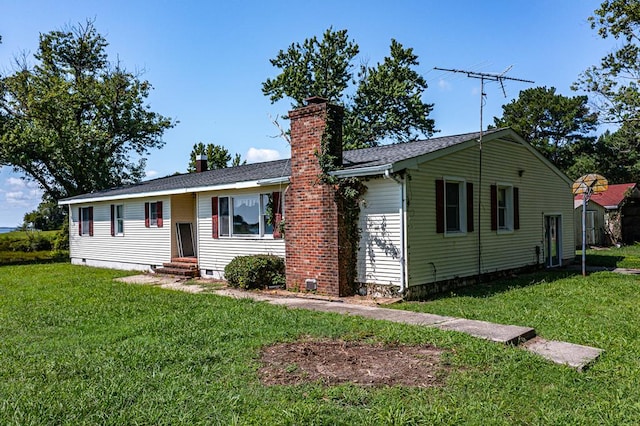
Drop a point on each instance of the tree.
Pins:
(616, 156)
(73, 121)
(47, 217)
(387, 103)
(555, 124)
(218, 157)
(615, 81)
(614, 85)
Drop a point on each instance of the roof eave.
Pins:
(208, 188)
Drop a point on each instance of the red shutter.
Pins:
(494, 208)
(469, 207)
(80, 221)
(91, 221)
(440, 206)
(159, 212)
(113, 220)
(146, 215)
(214, 217)
(516, 208)
(276, 199)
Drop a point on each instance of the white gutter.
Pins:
(364, 171)
(403, 223)
(234, 185)
(273, 181)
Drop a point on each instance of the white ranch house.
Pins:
(436, 212)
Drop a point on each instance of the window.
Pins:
(117, 219)
(153, 214)
(120, 219)
(454, 206)
(504, 208)
(85, 220)
(244, 215)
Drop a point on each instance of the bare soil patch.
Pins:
(334, 362)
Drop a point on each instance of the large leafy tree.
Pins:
(614, 83)
(558, 126)
(614, 87)
(387, 103)
(74, 121)
(218, 157)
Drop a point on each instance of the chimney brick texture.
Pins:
(313, 220)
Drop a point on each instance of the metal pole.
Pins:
(480, 182)
(584, 234)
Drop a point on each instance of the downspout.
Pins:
(403, 242)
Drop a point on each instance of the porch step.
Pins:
(184, 267)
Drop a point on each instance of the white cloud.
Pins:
(16, 182)
(21, 193)
(444, 84)
(258, 155)
(151, 173)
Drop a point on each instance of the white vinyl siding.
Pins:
(215, 253)
(381, 252)
(432, 257)
(138, 248)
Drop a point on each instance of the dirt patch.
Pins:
(334, 362)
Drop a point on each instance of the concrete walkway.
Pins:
(575, 356)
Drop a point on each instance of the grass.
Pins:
(78, 348)
(614, 257)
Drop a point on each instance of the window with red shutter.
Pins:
(159, 220)
(214, 217)
(440, 206)
(113, 220)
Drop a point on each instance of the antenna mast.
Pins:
(500, 78)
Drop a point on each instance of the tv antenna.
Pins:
(500, 78)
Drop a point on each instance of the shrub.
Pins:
(61, 240)
(257, 271)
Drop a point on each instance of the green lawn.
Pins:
(623, 257)
(78, 348)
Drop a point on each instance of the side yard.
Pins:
(77, 347)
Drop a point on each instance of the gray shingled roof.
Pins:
(352, 160)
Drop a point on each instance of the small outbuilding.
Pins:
(612, 216)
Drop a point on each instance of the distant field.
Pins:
(29, 247)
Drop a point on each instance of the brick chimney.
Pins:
(201, 163)
(313, 221)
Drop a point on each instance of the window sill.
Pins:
(455, 234)
(504, 231)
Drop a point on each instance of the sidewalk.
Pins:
(575, 356)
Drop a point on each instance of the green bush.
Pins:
(61, 239)
(257, 271)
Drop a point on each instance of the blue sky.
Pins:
(207, 60)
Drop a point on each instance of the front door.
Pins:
(553, 240)
(186, 247)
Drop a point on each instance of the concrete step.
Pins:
(571, 354)
(185, 260)
(183, 272)
(180, 265)
(507, 334)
